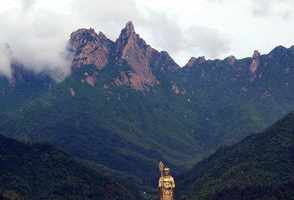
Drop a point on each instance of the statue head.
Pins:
(166, 171)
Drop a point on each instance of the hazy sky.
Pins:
(37, 30)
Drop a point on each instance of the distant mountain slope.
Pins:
(284, 191)
(120, 128)
(34, 172)
(119, 112)
(22, 87)
(240, 96)
(259, 167)
(126, 105)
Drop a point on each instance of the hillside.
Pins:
(126, 105)
(259, 167)
(118, 127)
(22, 87)
(42, 172)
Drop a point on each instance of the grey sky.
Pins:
(37, 30)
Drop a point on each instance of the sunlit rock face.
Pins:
(255, 62)
(131, 48)
(89, 47)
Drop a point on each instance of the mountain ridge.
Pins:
(257, 166)
(98, 114)
(39, 171)
(143, 60)
(89, 47)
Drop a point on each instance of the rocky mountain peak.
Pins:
(195, 61)
(134, 50)
(231, 60)
(280, 51)
(191, 62)
(256, 54)
(129, 38)
(255, 62)
(82, 36)
(89, 47)
(129, 28)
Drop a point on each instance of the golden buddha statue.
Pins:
(166, 183)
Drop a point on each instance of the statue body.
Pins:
(166, 185)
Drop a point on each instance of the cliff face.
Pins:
(90, 48)
(175, 114)
(131, 48)
(255, 62)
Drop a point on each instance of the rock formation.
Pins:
(255, 62)
(90, 48)
(195, 61)
(131, 48)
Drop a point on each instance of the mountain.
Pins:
(113, 113)
(22, 87)
(259, 167)
(240, 96)
(90, 48)
(126, 105)
(36, 171)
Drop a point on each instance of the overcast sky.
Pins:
(37, 30)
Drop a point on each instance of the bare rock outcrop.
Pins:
(255, 62)
(131, 48)
(89, 47)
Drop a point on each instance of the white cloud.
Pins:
(169, 35)
(5, 61)
(38, 30)
(27, 4)
(37, 38)
(162, 30)
(207, 41)
(282, 8)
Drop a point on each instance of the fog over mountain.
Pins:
(114, 87)
(5, 61)
(40, 40)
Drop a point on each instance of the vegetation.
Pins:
(186, 117)
(43, 172)
(259, 167)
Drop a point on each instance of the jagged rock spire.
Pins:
(92, 48)
(127, 37)
(255, 62)
(129, 28)
(133, 49)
